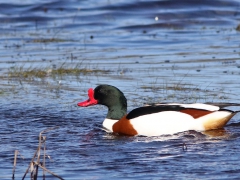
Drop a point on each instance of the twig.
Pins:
(44, 156)
(30, 164)
(45, 169)
(48, 129)
(38, 149)
(34, 173)
(14, 163)
(31, 169)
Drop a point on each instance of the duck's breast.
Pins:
(108, 124)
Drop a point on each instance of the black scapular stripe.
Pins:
(152, 109)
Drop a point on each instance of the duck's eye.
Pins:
(102, 91)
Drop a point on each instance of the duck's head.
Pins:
(109, 96)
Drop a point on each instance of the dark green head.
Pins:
(109, 96)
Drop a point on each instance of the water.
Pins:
(156, 51)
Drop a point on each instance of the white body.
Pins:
(171, 122)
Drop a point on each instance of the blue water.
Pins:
(154, 51)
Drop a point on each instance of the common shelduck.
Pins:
(156, 119)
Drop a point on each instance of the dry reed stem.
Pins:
(38, 150)
(15, 162)
(16, 153)
(45, 169)
(44, 155)
(34, 171)
(31, 163)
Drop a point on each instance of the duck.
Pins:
(156, 119)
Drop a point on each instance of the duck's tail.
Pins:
(217, 119)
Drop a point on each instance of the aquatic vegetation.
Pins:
(50, 40)
(21, 72)
(183, 91)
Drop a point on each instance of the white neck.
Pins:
(108, 123)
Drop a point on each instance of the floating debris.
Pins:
(184, 147)
(238, 28)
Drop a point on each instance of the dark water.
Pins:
(156, 51)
